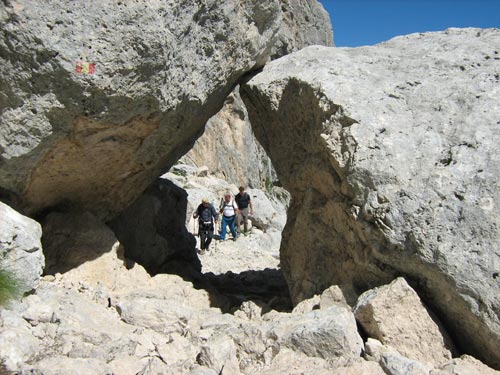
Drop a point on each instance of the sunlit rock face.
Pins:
(96, 102)
(21, 252)
(229, 150)
(390, 154)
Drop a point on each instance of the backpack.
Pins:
(245, 200)
(224, 204)
(205, 214)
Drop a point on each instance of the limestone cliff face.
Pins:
(96, 102)
(390, 154)
(229, 149)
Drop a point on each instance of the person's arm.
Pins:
(236, 208)
(251, 206)
(215, 214)
(195, 213)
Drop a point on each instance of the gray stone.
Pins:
(331, 297)
(153, 233)
(396, 364)
(147, 306)
(62, 365)
(268, 212)
(20, 248)
(292, 363)
(219, 355)
(162, 69)
(392, 361)
(202, 171)
(83, 253)
(390, 155)
(17, 344)
(202, 370)
(307, 305)
(360, 368)
(57, 323)
(395, 315)
(327, 334)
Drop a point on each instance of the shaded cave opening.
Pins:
(157, 231)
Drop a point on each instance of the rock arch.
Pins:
(96, 103)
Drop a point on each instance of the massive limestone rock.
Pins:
(20, 248)
(390, 154)
(97, 101)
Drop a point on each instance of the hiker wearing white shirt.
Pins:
(229, 210)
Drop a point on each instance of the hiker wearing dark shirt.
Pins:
(207, 215)
(245, 207)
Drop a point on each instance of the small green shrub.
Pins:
(179, 172)
(10, 287)
(268, 184)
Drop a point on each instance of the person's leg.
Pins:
(210, 235)
(224, 223)
(244, 215)
(238, 222)
(232, 227)
(203, 238)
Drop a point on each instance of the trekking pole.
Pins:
(216, 225)
(216, 231)
(195, 233)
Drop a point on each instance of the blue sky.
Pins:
(366, 22)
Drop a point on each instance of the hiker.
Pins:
(244, 202)
(229, 210)
(207, 215)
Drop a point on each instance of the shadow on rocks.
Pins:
(267, 288)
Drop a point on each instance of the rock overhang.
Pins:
(75, 78)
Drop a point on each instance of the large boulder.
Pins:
(153, 233)
(269, 212)
(98, 101)
(327, 333)
(390, 154)
(20, 248)
(71, 239)
(395, 315)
